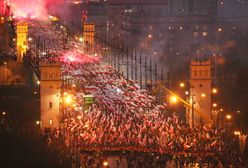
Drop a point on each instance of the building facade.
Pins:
(201, 92)
(50, 84)
(21, 40)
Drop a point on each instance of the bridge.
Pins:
(99, 99)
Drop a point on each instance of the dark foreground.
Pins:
(20, 142)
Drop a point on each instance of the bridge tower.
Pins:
(89, 35)
(200, 94)
(50, 84)
(21, 41)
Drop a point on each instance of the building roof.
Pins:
(137, 2)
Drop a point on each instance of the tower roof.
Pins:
(201, 62)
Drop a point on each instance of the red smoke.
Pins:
(34, 9)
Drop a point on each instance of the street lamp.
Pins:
(215, 104)
(68, 99)
(182, 85)
(5, 67)
(228, 118)
(173, 99)
(237, 133)
(214, 90)
(105, 163)
(203, 95)
(219, 30)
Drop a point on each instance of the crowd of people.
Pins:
(125, 117)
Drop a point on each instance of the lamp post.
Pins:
(5, 67)
(193, 110)
(191, 100)
(228, 118)
(218, 31)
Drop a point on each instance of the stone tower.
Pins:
(21, 40)
(89, 35)
(50, 84)
(200, 94)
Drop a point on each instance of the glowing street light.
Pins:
(214, 90)
(38, 82)
(182, 85)
(219, 29)
(4, 113)
(105, 163)
(203, 95)
(228, 117)
(81, 39)
(215, 104)
(237, 133)
(37, 122)
(68, 99)
(173, 99)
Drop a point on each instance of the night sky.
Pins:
(233, 8)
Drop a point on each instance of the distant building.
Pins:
(97, 14)
(163, 28)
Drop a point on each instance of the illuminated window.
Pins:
(50, 122)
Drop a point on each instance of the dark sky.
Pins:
(233, 8)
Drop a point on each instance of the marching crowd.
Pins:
(125, 117)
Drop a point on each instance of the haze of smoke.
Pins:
(34, 9)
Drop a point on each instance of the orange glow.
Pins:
(68, 99)
(228, 117)
(203, 95)
(173, 99)
(214, 90)
(182, 84)
(105, 163)
(237, 133)
(215, 104)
